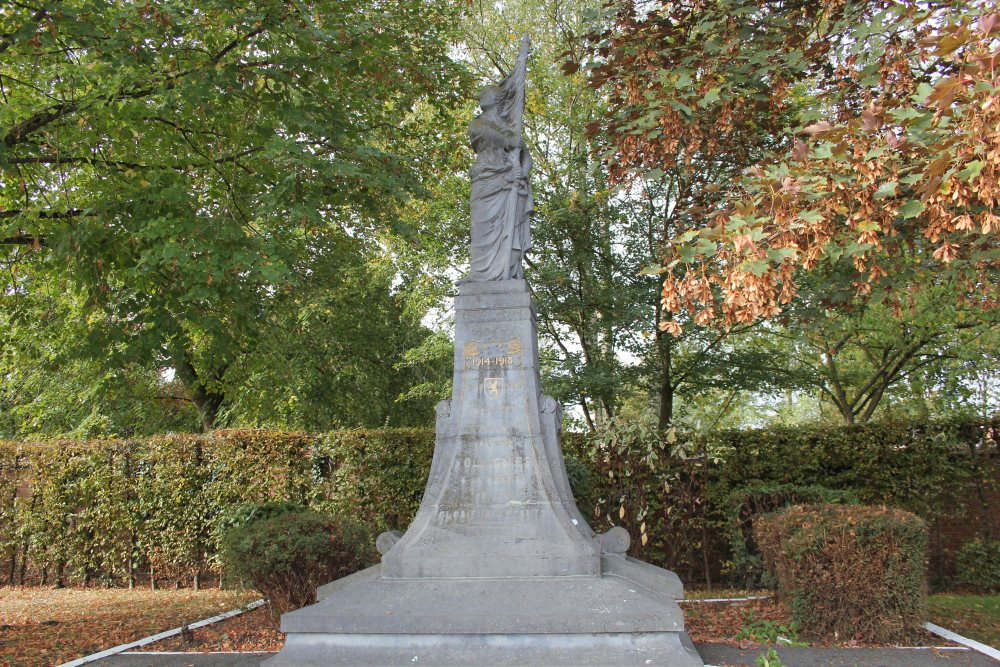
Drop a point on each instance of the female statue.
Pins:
(501, 194)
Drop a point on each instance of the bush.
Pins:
(581, 482)
(286, 556)
(978, 564)
(746, 567)
(849, 572)
(120, 511)
(246, 513)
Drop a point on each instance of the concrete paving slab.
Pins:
(142, 659)
(809, 656)
(713, 654)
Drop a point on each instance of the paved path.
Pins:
(713, 654)
(140, 659)
(807, 656)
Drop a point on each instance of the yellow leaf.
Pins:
(621, 512)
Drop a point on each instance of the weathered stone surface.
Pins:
(500, 201)
(497, 502)
(499, 566)
(494, 649)
(366, 619)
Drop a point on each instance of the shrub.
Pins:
(978, 564)
(121, 510)
(746, 566)
(246, 513)
(849, 572)
(581, 481)
(769, 659)
(286, 556)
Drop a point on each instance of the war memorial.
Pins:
(499, 567)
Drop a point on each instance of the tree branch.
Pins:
(23, 239)
(82, 159)
(45, 215)
(7, 40)
(19, 132)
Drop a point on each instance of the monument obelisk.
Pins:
(498, 567)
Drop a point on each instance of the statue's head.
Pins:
(488, 98)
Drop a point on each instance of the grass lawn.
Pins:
(45, 626)
(973, 616)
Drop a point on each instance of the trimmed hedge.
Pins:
(850, 572)
(746, 564)
(120, 511)
(287, 555)
(151, 509)
(684, 490)
(978, 564)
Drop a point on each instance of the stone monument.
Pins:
(498, 567)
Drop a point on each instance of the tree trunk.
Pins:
(13, 565)
(666, 416)
(24, 564)
(208, 405)
(704, 556)
(13, 507)
(206, 401)
(666, 392)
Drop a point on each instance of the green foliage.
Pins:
(241, 515)
(850, 572)
(746, 566)
(189, 171)
(696, 503)
(649, 481)
(111, 509)
(376, 475)
(764, 631)
(581, 482)
(769, 659)
(288, 555)
(116, 509)
(978, 564)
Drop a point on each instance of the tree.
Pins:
(887, 170)
(330, 354)
(859, 353)
(45, 391)
(182, 167)
(598, 308)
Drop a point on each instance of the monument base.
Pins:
(612, 619)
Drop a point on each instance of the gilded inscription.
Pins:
(492, 354)
(489, 361)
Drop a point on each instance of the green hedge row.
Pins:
(122, 510)
(118, 510)
(688, 502)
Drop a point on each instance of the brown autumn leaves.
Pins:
(807, 135)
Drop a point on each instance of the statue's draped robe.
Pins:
(501, 192)
(500, 203)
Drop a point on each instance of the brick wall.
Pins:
(979, 518)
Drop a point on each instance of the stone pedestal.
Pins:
(499, 566)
